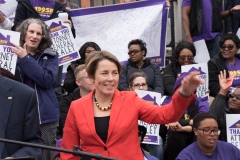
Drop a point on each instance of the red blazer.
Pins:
(127, 109)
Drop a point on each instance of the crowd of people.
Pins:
(100, 109)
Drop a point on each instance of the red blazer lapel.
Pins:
(115, 110)
(89, 115)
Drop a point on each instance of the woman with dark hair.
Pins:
(180, 134)
(184, 55)
(37, 67)
(137, 62)
(208, 146)
(228, 60)
(85, 50)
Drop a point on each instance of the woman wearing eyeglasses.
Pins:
(208, 146)
(184, 55)
(228, 60)
(137, 62)
(225, 103)
(138, 80)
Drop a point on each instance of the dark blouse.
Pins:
(101, 126)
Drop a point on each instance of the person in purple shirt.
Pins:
(228, 60)
(208, 24)
(207, 146)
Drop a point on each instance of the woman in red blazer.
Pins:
(106, 121)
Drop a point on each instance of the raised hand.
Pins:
(190, 84)
(19, 51)
(223, 82)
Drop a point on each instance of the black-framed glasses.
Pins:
(140, 85)
(183, 58)
(207, 131)
(134, 52)
(229, 47)
(231, 95)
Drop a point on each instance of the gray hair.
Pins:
(46, 41)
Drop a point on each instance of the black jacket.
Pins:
(65, 105)
(219, 108)
(170, 75)
(154, 77)
(25, 10)
(69, 81)
(215, 65)
(232, 22)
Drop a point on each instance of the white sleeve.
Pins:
(9, 8)
(7, 24)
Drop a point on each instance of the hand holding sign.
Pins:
(19, 51)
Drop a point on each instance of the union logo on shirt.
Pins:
(44, 11)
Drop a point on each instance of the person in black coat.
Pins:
(85, 50)
(232, 22)
(228, 60)
(137, 62)
(184, 55)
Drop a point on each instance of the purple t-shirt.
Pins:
(234, 70)
(206, 33)
(43, 7)
(223, 151)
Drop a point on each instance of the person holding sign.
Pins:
(38, 67)
(138, 80)
(137, 62)
(106, 120)
(228, 60)
(208, 146)
(225, 103)
(184, 55)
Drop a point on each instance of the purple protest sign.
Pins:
(112, 27)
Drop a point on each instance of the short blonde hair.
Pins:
(79, 69)
(95, 57)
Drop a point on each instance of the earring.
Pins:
(144, 57)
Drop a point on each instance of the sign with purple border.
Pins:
(8, 59)
(113, 27)
(63, 41)
(233, 129)
(152, 129)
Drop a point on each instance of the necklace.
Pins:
(102, 108)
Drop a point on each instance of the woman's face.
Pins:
(88, 51)
(228, 49)
(33, 36)
(234, 101)
(139, 83)
(185, 57)
(106, 77)
(135, 53)
(207, 133)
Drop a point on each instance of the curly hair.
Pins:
(46, 41)
(139, 42)
(202, 116)
(230, 36)
(184, 45)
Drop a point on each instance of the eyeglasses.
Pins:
(229, 47)
(140, 85)
(183, 58)
(134, 52)
(231, 95)
(84, 77)
(207, 131)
